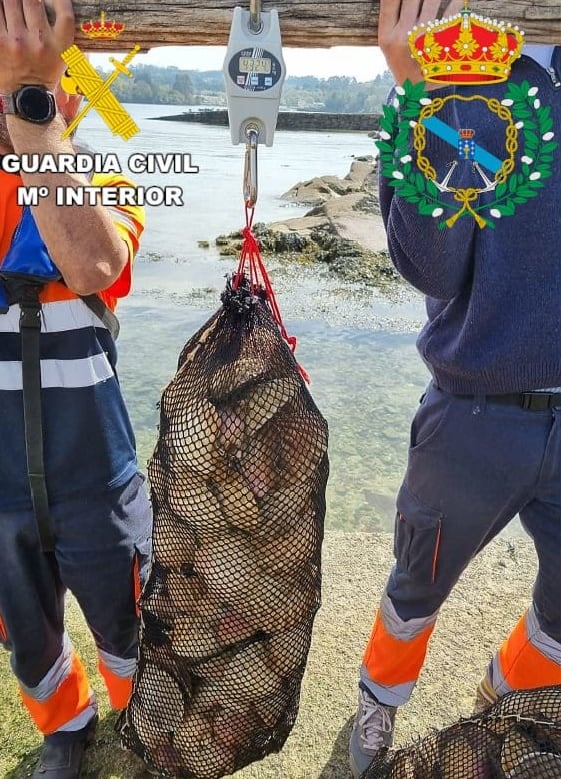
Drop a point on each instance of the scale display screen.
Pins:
(255, 65)
(254, 69)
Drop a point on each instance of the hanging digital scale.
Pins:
(254, 73)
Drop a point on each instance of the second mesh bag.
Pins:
(519, 737)
(238, 482)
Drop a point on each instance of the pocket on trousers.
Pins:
(140, 569)
(418, 530)
(429, 419)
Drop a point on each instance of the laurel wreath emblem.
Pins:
(414, 178)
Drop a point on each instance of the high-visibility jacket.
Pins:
(88, 440)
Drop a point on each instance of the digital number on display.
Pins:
(255, 65)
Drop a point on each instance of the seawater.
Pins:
(356, 344)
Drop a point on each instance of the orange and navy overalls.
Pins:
(486, 438)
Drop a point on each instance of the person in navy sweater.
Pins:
(486, 439)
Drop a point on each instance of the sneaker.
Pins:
(62, 753)
(372, 730)
(485, 695)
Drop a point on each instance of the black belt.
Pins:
(531, 401)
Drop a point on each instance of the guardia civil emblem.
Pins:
(527, 162)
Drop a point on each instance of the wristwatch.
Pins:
(32, 103)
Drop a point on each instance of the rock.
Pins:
(322, 189)
(363, 172)
(343, 230)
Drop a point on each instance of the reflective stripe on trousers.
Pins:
(102, 543)
(63, 699)
(473, 466)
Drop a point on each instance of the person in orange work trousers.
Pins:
(486, 438)
(74, 512)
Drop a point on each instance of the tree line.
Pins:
(172, 86)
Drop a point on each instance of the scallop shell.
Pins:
(193, 637)
(197, 741)
(174, 542)
(193, 503)
(231, 431)
(151, 737)
(209, 607)
(274, 609)
(404, 766)
(234, 376)
(191, 437)
(185, 591)
(465, 752)
(297, 546)
(516, 746)
(283, 509)
(288, 651)
(273, 710)
(265, 400)
(535, 765)
(235, 725)
(228, 567)
(258, 462)
(166, 758)
(160, 699)
(237, 501)
(246, 675)
(232, 628)
(205, 761)
(196, 730)
(302, 445)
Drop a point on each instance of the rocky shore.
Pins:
(343, 229)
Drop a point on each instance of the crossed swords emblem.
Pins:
(81, 76)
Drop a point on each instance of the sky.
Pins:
(364, 63)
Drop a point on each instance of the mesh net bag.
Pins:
(238, 481)
(517, 738)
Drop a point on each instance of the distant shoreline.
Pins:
(287, 120)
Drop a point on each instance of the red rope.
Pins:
(251, 264)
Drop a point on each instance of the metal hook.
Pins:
(250, 167)
(255, 23)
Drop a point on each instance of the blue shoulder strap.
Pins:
(28, 254)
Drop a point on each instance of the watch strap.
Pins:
(7, 104)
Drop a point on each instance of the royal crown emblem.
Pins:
(466, 49)
(102, 29)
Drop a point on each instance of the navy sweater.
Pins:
(493, 295)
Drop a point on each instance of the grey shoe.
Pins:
(62, 753)
(485, 695)
(373, 729)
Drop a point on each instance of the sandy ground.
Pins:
(484, 606)
(482, 609)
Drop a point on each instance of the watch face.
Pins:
(35, 104)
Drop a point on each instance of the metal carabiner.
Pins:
(255, 22)
(250, 166)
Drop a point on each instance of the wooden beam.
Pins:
(304, 23)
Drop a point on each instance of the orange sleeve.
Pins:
(129, 221)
